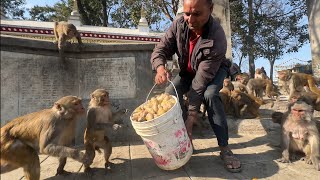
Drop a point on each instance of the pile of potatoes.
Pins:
(153, 108)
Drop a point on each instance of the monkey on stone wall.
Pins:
(64, 31)
(50, 131)
(297, 81)
(99, 118)
(300, 134)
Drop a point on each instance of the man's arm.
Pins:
(165, 48)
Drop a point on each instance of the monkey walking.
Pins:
(99, 117)
(49, 131)
(297, 81)
(299, 134)
(64, 31)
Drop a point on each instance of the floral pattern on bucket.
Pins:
(183, 146)
(153, 149)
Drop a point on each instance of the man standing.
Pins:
(200, 43)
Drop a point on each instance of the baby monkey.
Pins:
(64, 31)
(99, 118)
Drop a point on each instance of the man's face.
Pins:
(196, 13)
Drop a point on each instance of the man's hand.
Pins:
(191, 119)
(162, 75)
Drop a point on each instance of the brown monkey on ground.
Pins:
(225, 95)
(246, 105)
(64, 31)
(99, 118)
(49, 131)
(239, 86)
(243, 78)
(297, 81)
(258, 86)
(300, 134)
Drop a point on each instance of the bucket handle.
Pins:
(155, 86)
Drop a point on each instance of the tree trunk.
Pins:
(104, 13)
(271, 68)
(251, 40)
(83, 14)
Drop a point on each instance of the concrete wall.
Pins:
(33, 76)
(313, 7)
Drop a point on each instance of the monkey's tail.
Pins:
(55, 24)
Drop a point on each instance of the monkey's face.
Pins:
(69, 107)
(283, 75)
(101, 97)
(301, 111)
(226, 82)
(243, 79)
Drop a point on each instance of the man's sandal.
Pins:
(228, 158)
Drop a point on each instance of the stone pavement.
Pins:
(254, 141)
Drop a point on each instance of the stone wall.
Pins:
(33, 76)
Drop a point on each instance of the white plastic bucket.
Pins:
(166, 138)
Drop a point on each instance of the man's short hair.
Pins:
(210, 3)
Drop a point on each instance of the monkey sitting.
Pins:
(49, 131)
(246, 105)
(300, 134)
(64, 31)
(225, 96)
(243, 78)
(99, 118)
(297, 81)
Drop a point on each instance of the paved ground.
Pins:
(254, 141)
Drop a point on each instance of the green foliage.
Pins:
(13, 9)
(58, 12)
(117, 13)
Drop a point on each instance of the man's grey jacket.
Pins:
(207, 56)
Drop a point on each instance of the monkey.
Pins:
(259, 74)
(227, 84)
(49, 131)
(300, 134)
(64, 31)
(225, 95)
(246, 105)
(243, 78)
(239, 86)
(308, 97)
(258, 86)
(99, 118)
(297, 81)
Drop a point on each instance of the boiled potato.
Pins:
(153, 108)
